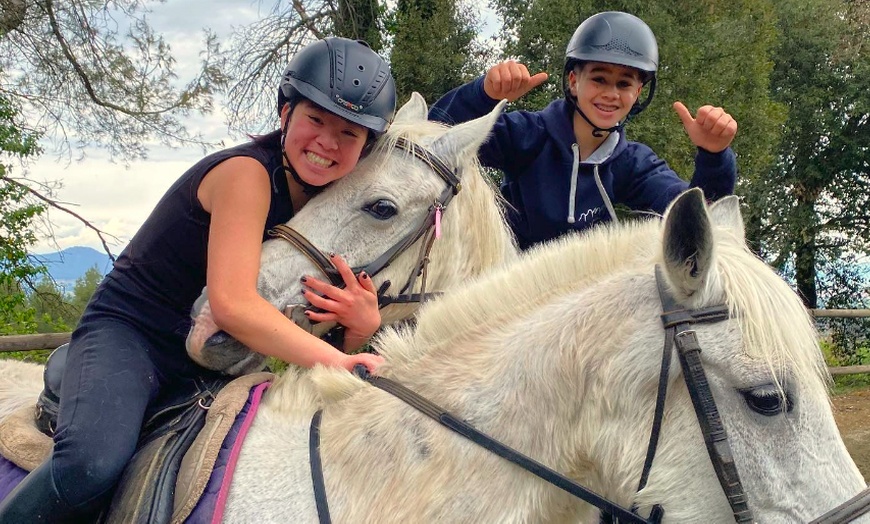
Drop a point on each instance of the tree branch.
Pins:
(55, 204)
(83, 75)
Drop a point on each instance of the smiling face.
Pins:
(605, 92)
(321, 146)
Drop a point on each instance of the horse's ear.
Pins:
(726, 213)
(414, 110)
(467, 137)
(687, 242)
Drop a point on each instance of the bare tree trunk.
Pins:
(805, 253)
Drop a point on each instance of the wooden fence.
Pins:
(52, 340)
(843, 313)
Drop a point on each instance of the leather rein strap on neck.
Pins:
(425, 227)
(463, 428)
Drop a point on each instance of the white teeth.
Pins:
(317, 159)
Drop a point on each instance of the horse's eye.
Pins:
(382, 209)
(767, 400)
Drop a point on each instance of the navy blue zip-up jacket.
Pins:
(550, 191)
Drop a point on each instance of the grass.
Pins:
(847, 383)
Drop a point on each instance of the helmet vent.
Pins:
(618, 45)
(356, 82)
(361, 67)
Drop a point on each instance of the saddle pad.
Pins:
(206, 469)
(10, 476)
(23, 447)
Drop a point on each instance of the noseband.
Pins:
(426, 228)
(677, 322)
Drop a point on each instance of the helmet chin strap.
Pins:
(597, 132)
(307, 188)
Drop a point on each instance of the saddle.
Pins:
(147, 490)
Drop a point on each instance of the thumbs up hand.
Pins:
(712, 129)
(510, 80)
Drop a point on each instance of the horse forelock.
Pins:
(775, 325)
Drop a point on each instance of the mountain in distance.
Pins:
(68, 265)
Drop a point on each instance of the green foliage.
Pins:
(809, 206)
(834, 357)
(433, 47)
(17, 214)
(360, 20)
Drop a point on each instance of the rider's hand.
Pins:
(712, 129)
(370, 361)
(510, 80)
(355, 307)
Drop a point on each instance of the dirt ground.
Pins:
(852, 412)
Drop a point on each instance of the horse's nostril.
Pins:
(221, 337)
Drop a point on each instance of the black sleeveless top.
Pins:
(162, 271)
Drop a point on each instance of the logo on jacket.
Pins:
(589, 215)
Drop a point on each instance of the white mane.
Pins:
(562, 267)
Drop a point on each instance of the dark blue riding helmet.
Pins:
(614, 37)
(344, 77)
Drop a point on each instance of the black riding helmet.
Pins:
(344, 77)
(613, 37)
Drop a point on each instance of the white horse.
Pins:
(558, 356)
(363, 215)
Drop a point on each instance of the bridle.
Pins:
(428, 229)
(679, 334)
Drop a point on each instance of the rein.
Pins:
(425, 229)
(677, 322)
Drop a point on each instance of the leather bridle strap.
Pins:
(848, 511)
(463, 428)
(320, 260)
(677, 322)
(317, 469)
(325, 265)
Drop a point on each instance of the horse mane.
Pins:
(787, 343)
(540, 274)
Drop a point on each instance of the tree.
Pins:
(426, 41)
(93, 72)
(17, 270)
(433, 47)
(813, 199)
(84, 72)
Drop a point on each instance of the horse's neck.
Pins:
(525, 382)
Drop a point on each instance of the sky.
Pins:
(116, 198)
